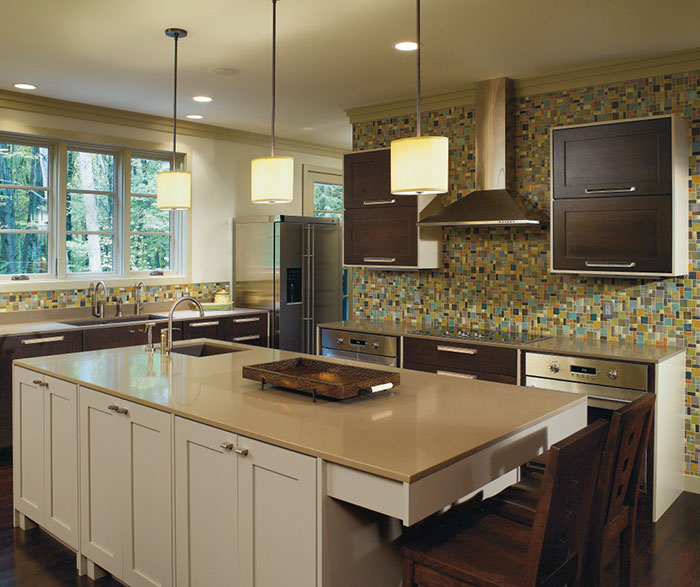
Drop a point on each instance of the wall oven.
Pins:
(367, 348)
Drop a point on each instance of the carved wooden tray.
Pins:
(322, 378)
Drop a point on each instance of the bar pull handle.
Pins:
(456, 349)
(625, 190)
(610, 399)
(42, 340)
(627, 265)
(380, 259)
(379, 202)
(241, 320)
(227, 445)
(242, 338)
(242, 451)
(460, 375)
(200, 324)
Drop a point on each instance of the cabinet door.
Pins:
(95, 339)
(276, 516)
(203, 328)
(206, 503)
(632, 157)
(102, 486)
(367, 181)
(381, 237)
(61, 460)
(249, 329)
(622, 235)
(28, 444)
(147, 520)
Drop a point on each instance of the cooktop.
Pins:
(479, 335)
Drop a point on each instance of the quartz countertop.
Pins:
(623, 351)
(427, 423)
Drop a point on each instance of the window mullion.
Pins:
(59, 225)
(126, 215)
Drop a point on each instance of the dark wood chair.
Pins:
(480, 548)
(614, 513)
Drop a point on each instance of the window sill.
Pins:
(84, 283)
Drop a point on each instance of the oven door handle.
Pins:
(610, 399)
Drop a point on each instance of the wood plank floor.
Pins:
(668, 552)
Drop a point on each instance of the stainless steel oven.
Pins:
(368, 348)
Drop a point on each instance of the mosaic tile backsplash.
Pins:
(498, 277)
(80, 298)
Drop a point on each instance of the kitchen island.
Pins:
(173, 469)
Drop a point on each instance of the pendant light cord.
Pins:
(274, 72)
(176, 37)
(418, 68)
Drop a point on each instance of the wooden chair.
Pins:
(481, 548)
(614, 513)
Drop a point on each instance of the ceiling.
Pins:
(332, 55)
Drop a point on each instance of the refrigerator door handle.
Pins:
(312, 301)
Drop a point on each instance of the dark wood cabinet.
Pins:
(247, 329)
(367, 181)
(203, 328)
(24, 347)
(95, 339)
(620, 198)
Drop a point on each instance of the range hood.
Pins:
(495, 201)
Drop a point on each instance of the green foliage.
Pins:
(328, 198)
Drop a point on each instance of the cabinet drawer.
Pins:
(472, 358)
(631, 157)
(44, 344)
(203, 328)
(367, 181)
(381, 236)
(620, 234)
(465, 373)
(247, 329)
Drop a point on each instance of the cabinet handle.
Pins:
(457, 349)
(626, 190)
(628, 265)
(227, 445)
(380, 259)
(453, 374)
(45, 339)
(198, 324)
(240, 320)
(37, 382)
(242, 338)
(117, 409)
(242, 451)
(113, 407)
(378, 202)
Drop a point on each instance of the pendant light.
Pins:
(174, 188)
(272, 178)
(419, 165)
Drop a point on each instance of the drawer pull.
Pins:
(626, 190)
(242, 451)
(200, 324)
(241, 320)
(379, 202)
(227, 445)
(37, 382)
(242, 338)
(380, 259)
(460, 375)
(117, 409)
(457, 349)
(113, 407)
(611, 265)
(45, 339)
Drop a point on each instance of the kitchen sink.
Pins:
(203, 349)
(101, 321)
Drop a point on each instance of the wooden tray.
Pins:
(322, 378)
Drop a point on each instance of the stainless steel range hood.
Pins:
(495, 201)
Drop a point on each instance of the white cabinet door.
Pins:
(61, 460)
(205, 505)
(102, 486)
(28, 443)
(276, 516)
(147, 521)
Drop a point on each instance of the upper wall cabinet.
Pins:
(620, 198)
(380, 229)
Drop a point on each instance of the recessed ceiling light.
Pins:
(195, 116)
(201, 99)
(25, 86)
(406, 46)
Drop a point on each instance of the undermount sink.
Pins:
(203, 349)
(98, 321)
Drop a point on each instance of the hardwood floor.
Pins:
(668, 553)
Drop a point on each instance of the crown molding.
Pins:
(602, 73)
(76, 110)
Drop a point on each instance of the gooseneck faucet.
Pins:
(98, 308)
(139, 290)
(169, 342)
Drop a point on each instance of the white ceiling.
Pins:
(332, 55)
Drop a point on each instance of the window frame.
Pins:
(319, 174)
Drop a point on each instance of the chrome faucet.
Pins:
(140, 287)
(98, 308)
(168, 342)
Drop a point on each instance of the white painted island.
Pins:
(173, 470)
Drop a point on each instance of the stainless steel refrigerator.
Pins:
(291, 266)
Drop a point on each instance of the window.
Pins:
(323, 192)
(24, 208)
(77, 210)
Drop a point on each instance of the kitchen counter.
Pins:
(428, 423)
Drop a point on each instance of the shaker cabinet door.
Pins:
(381, 237)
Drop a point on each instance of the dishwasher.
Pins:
(378, 349)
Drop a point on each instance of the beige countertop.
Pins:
(428, 423)
(623, 351)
